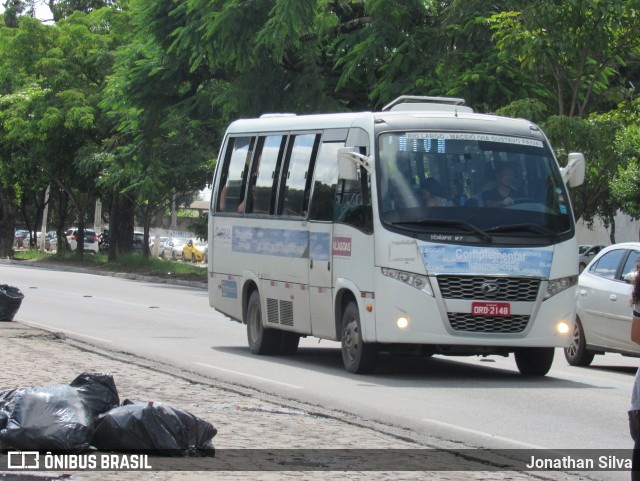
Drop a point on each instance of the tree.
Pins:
(14, 8)
(579, 45)
(625, 184)
(56, 75)
(62, 9)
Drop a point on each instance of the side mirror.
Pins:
(347, 168)
(348, 160)
(573, 173)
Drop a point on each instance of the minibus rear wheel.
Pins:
(358, 356)
(289, 343)
(261, 339)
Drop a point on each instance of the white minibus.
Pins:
(423, 228)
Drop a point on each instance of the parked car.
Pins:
(161, 242)
(193, 250)
(21, 238)
(586, 254)
(138, 240)
(51, 241)
(103, 242)
(53, 244)
(172, 249)
(603, 316)
(90, 240)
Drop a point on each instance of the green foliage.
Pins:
(131, 263)
(530, 109)
(131, 98)
(199, 226)
(576, 45)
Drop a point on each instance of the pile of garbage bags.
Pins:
(87, 414)
(10, 301)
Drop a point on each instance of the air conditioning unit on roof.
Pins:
(422, 103)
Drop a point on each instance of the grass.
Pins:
(131, 263)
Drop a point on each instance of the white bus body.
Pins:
(396, 231)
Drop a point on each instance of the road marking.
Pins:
(249, 375)
(482, 433)
(72, 333)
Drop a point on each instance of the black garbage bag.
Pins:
(98, 391)
(10, 301)
(58, 417)
(163, 430)
(4, 419)
(52, 418)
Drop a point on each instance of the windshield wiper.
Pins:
(449, 223)
(537, 228)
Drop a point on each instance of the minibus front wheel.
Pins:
(534, 361)
(358, 356)
(261, 339)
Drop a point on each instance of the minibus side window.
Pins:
(297, 175)
(234, 174)
(264, 175)
(353, 202)
(325, 181)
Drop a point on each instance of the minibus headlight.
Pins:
(418, 281)
(556, 286)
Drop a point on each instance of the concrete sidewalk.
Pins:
(244, 419)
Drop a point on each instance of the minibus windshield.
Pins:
(483, 187)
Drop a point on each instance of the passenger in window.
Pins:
(223, 198)
(504, 194)
(433, 194)
(242, 206)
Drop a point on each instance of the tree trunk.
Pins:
(126, 216)
(8, 210)
(612, 232)
(62, 204)
(146, 252)
(114, 221)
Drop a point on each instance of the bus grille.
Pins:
(279, 312)
(465, 322)
(272, 311)
(286, 313)
(520, 289)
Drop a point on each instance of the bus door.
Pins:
(320, 224)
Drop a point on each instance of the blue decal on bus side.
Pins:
(272, 242)
(449, 259)
(229, 289)
(319, 246)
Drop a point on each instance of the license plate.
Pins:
(490, 308)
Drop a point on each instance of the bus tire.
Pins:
(262, 341)
(358, 357)
(577, 353)
(289, 343)
(534, 361)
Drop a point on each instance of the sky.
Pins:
(42, 10)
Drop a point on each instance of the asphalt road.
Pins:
(465, 402)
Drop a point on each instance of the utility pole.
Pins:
(45, 215)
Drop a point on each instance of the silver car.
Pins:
(172, 249)
(603, 314)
